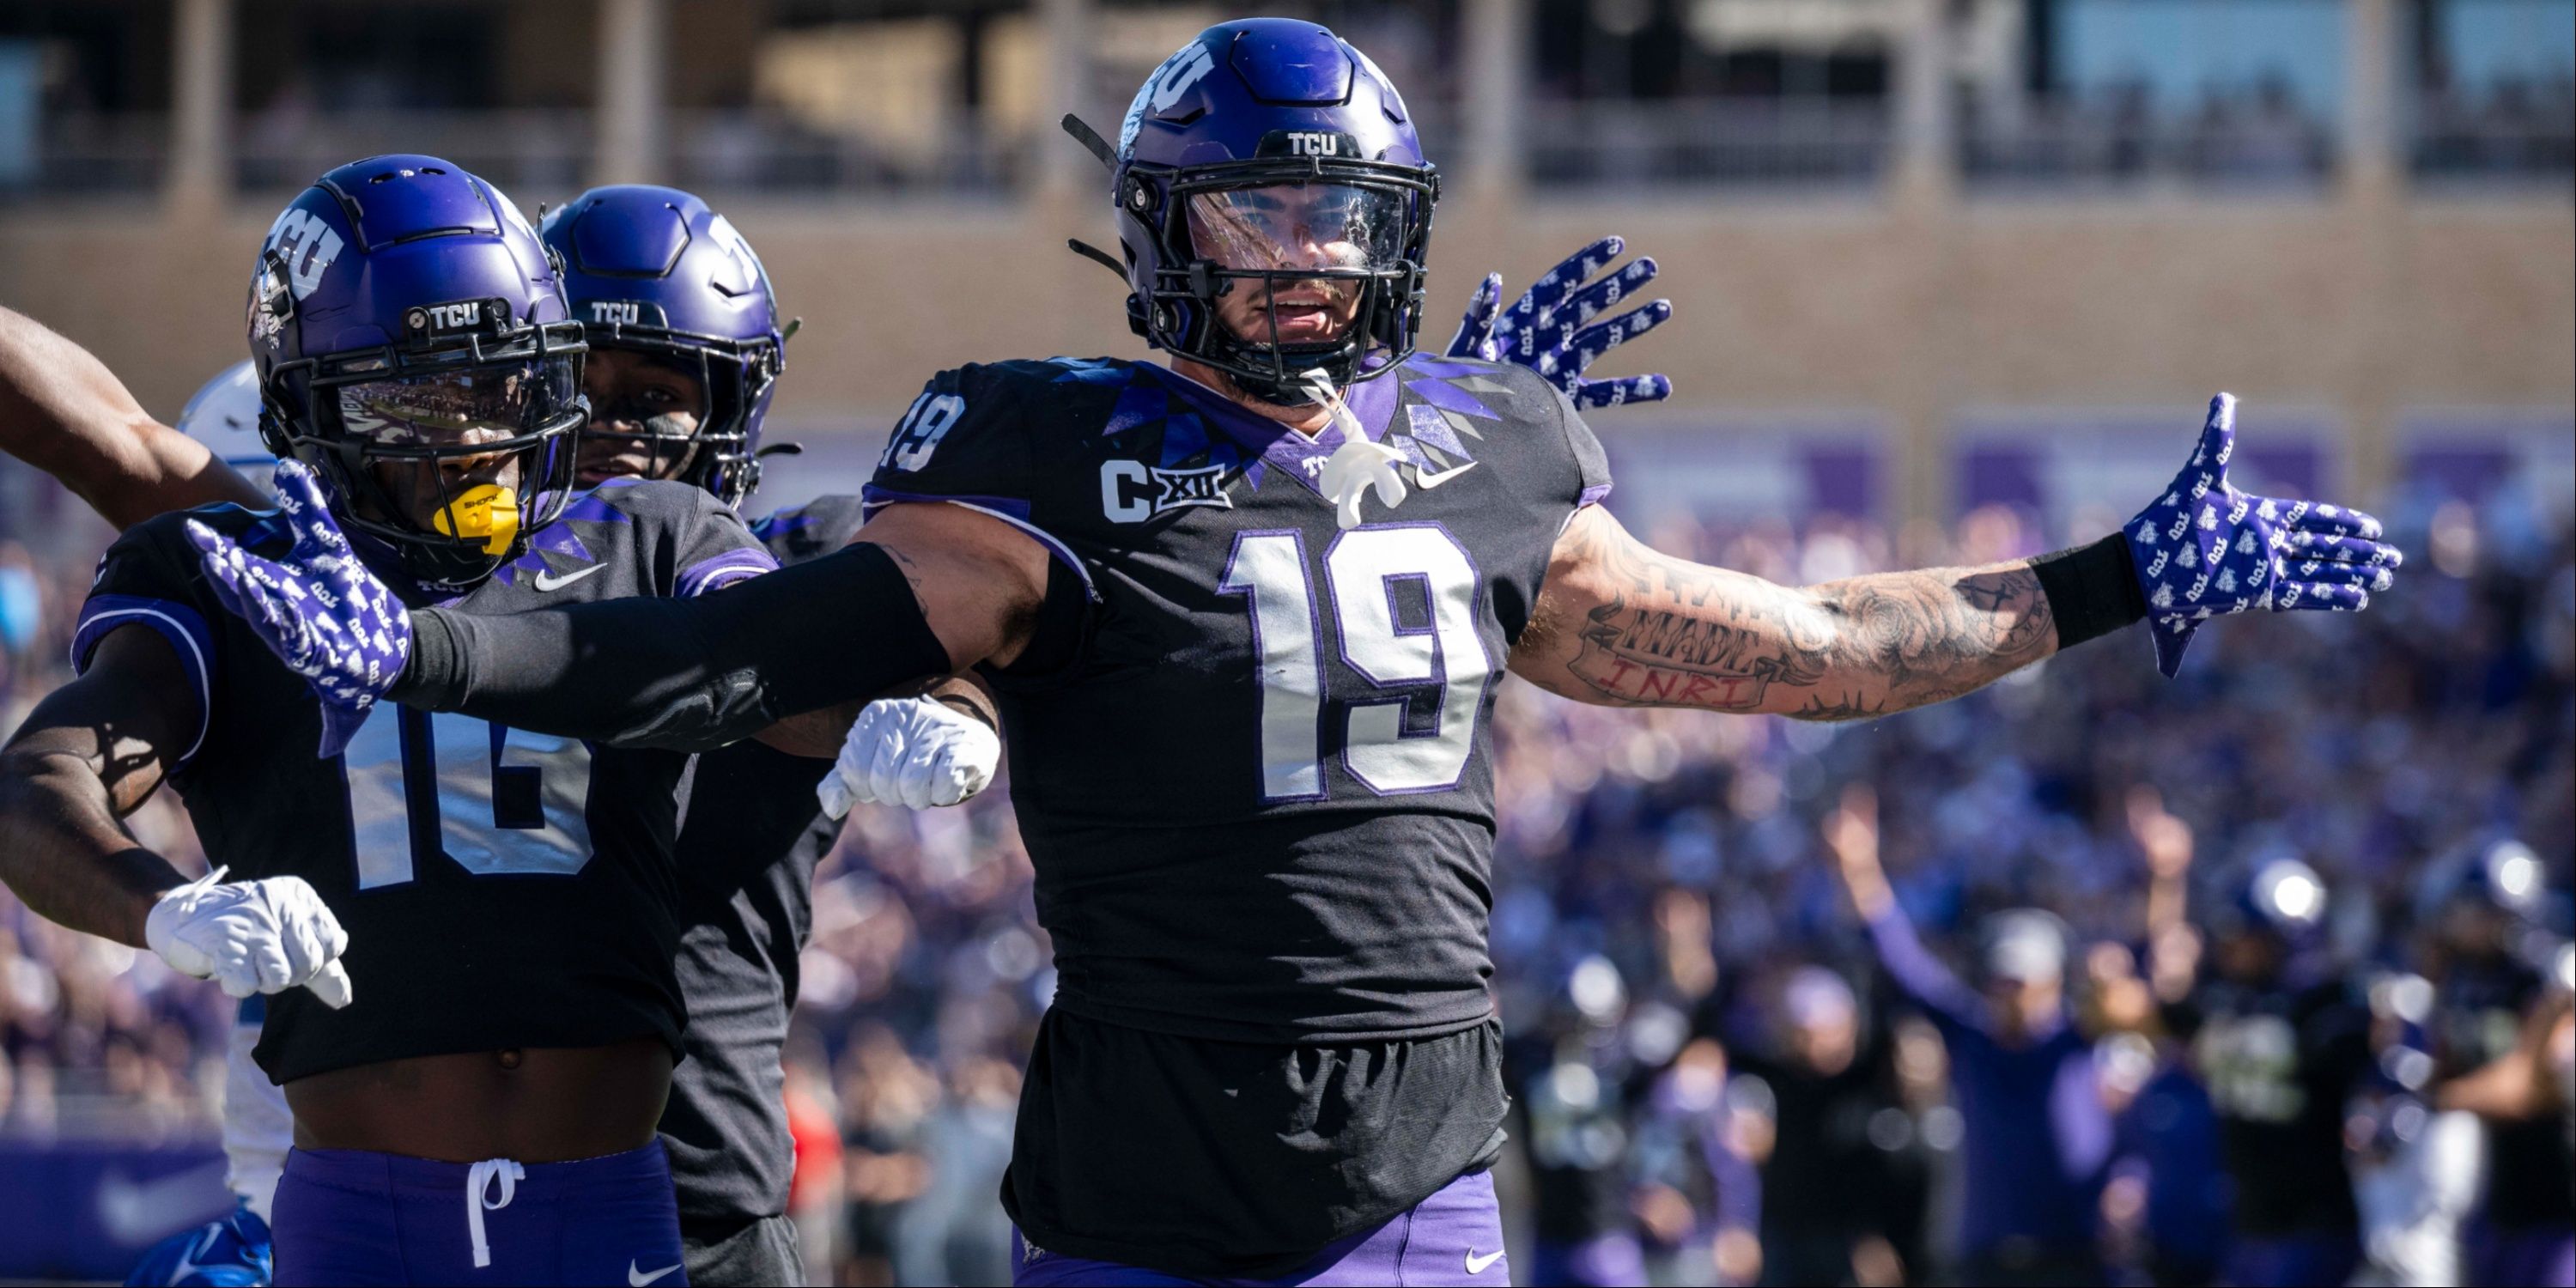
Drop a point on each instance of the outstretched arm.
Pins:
(1619, 624)
(2173, 947)
(91, 753)
(1622, 625)
(63, 412)
(1851, 833)
(789, 656)
(928, 589)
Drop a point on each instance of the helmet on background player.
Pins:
(224, 415)
(2282, 896)
(1272, 152)
(408, 326)
(654, 270)
(2275, 909)
(2485, 897)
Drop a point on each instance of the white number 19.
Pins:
(1362, 569)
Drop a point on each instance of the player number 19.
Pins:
(1364, 571)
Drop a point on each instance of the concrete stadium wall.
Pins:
(1910, 310)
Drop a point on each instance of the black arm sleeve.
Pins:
(2092, 590)
(681, 674)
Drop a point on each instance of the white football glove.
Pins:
(251, 936)
(1354, 468)
(914, 752)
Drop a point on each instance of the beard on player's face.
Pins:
(1280, 229)
(1310, 310)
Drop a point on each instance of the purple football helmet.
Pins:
(1271, 155)
(404, 315)
(656, 271)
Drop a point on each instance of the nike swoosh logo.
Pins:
(637, 1278)
(1426, 480)
(1477, 1265)
(548, 581)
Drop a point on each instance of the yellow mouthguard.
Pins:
(488, 512)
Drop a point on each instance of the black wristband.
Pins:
(966, 708)
(434, 673)
(2092, 590)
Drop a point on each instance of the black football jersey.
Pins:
(1260, 802)
(747, 852)
(1258, 792)
(500, 888)
(2282, 1066)
(2478, 1016)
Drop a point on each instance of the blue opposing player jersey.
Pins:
(1260, 799)
(500, 888)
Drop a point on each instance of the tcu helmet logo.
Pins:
(306, 245)
(1186, 69)
(1313, 143)
(446, 317)
(615, 312)
(1162, 90)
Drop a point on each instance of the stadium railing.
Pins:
(1648, 143)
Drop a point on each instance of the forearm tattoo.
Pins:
(1674, 633)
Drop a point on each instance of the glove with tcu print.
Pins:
(251, 936)
(919, 753)
(1545, 330)
(319, 609)
(2205, 549)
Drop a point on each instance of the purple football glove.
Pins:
(1546, 330)
(324, 615)
(2205, 549)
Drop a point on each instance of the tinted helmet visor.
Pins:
(456, 465)
(1293, 226)
(461, 412)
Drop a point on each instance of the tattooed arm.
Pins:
(1618, 624)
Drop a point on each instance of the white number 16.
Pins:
(1362, 569)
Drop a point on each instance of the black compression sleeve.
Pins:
(683, 674)
(2092, 590)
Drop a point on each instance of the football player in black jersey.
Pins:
(2491, 958)
(1246, 616)
(2286, 1047)
(500, 903)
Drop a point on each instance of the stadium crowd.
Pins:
(1717, 1079)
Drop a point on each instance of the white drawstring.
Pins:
(1320, 387)
(478, 1179)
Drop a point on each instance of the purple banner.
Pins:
(2483, 456)
(88, 1210)
(2101, 465)
(1743, 468)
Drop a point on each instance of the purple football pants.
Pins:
(347, 1216)
(1454, 1237)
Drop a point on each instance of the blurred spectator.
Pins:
(2037, 1131)
(1829, 1184)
